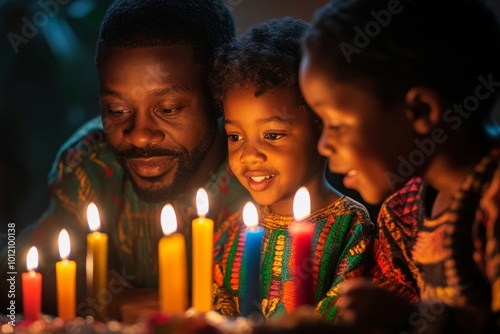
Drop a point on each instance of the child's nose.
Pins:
(323, 147)
(251, 154)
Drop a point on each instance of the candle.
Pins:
(301, 233)
(250, 279)
(203, 232)
(172, 265)
(32, 287)
(97, 261)
(65, 280)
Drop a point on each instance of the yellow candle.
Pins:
(203, 234)
(65, 279)
(97, 261)
(172, 283)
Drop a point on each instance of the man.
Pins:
(157, 141)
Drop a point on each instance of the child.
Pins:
(407, 89)
(272, 136)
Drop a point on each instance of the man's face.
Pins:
(156, 113)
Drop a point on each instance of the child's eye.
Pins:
(336, 127)
(233, 138)
(273, 136)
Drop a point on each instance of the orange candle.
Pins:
(65, 279)
(172, 283)
(203, 234)
(32, 287)
(97, 261)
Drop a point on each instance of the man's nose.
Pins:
(143, 131)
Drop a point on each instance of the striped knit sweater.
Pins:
(342, 244)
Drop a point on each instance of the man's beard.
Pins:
(188, 164)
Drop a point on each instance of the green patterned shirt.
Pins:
(342, 244)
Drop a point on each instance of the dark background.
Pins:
(48, 88)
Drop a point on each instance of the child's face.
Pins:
(361, 138)
(272, 145)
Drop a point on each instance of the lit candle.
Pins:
(301, 233)
(32, 287)
(250, 278)
(97, 261)
(203, 234)
(172, 265)
(65, 279)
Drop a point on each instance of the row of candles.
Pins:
(172, 271)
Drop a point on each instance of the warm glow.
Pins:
(202, 202)
(301, 204)
(93, 217)
(250, 216)
(64, 244)
(6, 328)
(32, 258)
(168, 220)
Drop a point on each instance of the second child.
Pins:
(272, 136)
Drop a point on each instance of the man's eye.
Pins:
(167, 111)
(117, 111)
(233, 138)
(273, 136)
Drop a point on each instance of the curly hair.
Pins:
(205, 24)
(266, 57)
(444, 45)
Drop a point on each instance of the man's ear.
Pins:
(424, 109)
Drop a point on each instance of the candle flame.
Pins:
(64, 244)
(32, 258)
(93, 217)
(250, 216)
(168, 219)
(202, 202)
(301, 204)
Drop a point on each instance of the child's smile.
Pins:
(260, 183)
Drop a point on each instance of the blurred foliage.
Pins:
(48, 88)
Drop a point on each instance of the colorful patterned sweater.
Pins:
(342, 245)
(86, 171)
(450, 262)
(393, 267)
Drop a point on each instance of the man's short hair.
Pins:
(130, 24)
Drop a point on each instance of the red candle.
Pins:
(302, 233)
(32, 287)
